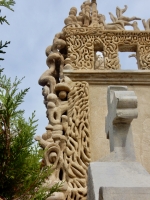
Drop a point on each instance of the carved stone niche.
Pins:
(83, 42)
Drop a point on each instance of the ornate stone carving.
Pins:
(89, 17)
(125, 21)
(77, 152)
(144, 57)
(99, 62)
(81, 51)
(55, 62)
(146, 24)
(66, 140)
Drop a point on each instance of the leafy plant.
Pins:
(7, 4)
(21, 176)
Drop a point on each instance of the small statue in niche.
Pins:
(99, 62)
(146, 24)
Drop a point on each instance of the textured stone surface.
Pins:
(141, 137)
(116, 174)
(124, 193)
(122, 109)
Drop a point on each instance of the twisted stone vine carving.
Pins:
(77, 152)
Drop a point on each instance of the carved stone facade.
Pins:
(72, 138)
(88, 40)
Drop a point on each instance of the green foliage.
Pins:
(7, 4)
(2, 46)
(21, 176)
(3, 19)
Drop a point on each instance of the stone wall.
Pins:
(139, 82)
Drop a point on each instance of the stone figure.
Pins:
(99, 62)
(110, 26)
(71, 20)
(94, 17)
(146, 24)
(123, 20)
(85, 8)
(119, 13)
(80, 19)
(135, 26)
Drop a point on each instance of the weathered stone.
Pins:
(116, 174)
(124, 193)
(69, 104)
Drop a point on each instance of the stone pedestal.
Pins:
(118, 180)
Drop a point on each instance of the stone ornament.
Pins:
(122, 109)
(77, 152)
(118, 175)
(109, 43)
(93, 33)
(66, 140)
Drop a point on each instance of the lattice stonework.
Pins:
(83, 42)
(77, 152)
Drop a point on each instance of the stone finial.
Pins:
(122, 109)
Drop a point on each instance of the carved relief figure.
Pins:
(99, 62)
(94, 17)
(146, 24)
(85, 8)
(116, 25)
(71, 20)
(123, 20)
(119, 13)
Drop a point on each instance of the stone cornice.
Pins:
(127, 77)
(99, 32)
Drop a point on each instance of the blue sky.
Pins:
(33, 25)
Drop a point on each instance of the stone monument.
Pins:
(74, 89)
(118, 176)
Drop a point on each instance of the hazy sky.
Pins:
(33, 25)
